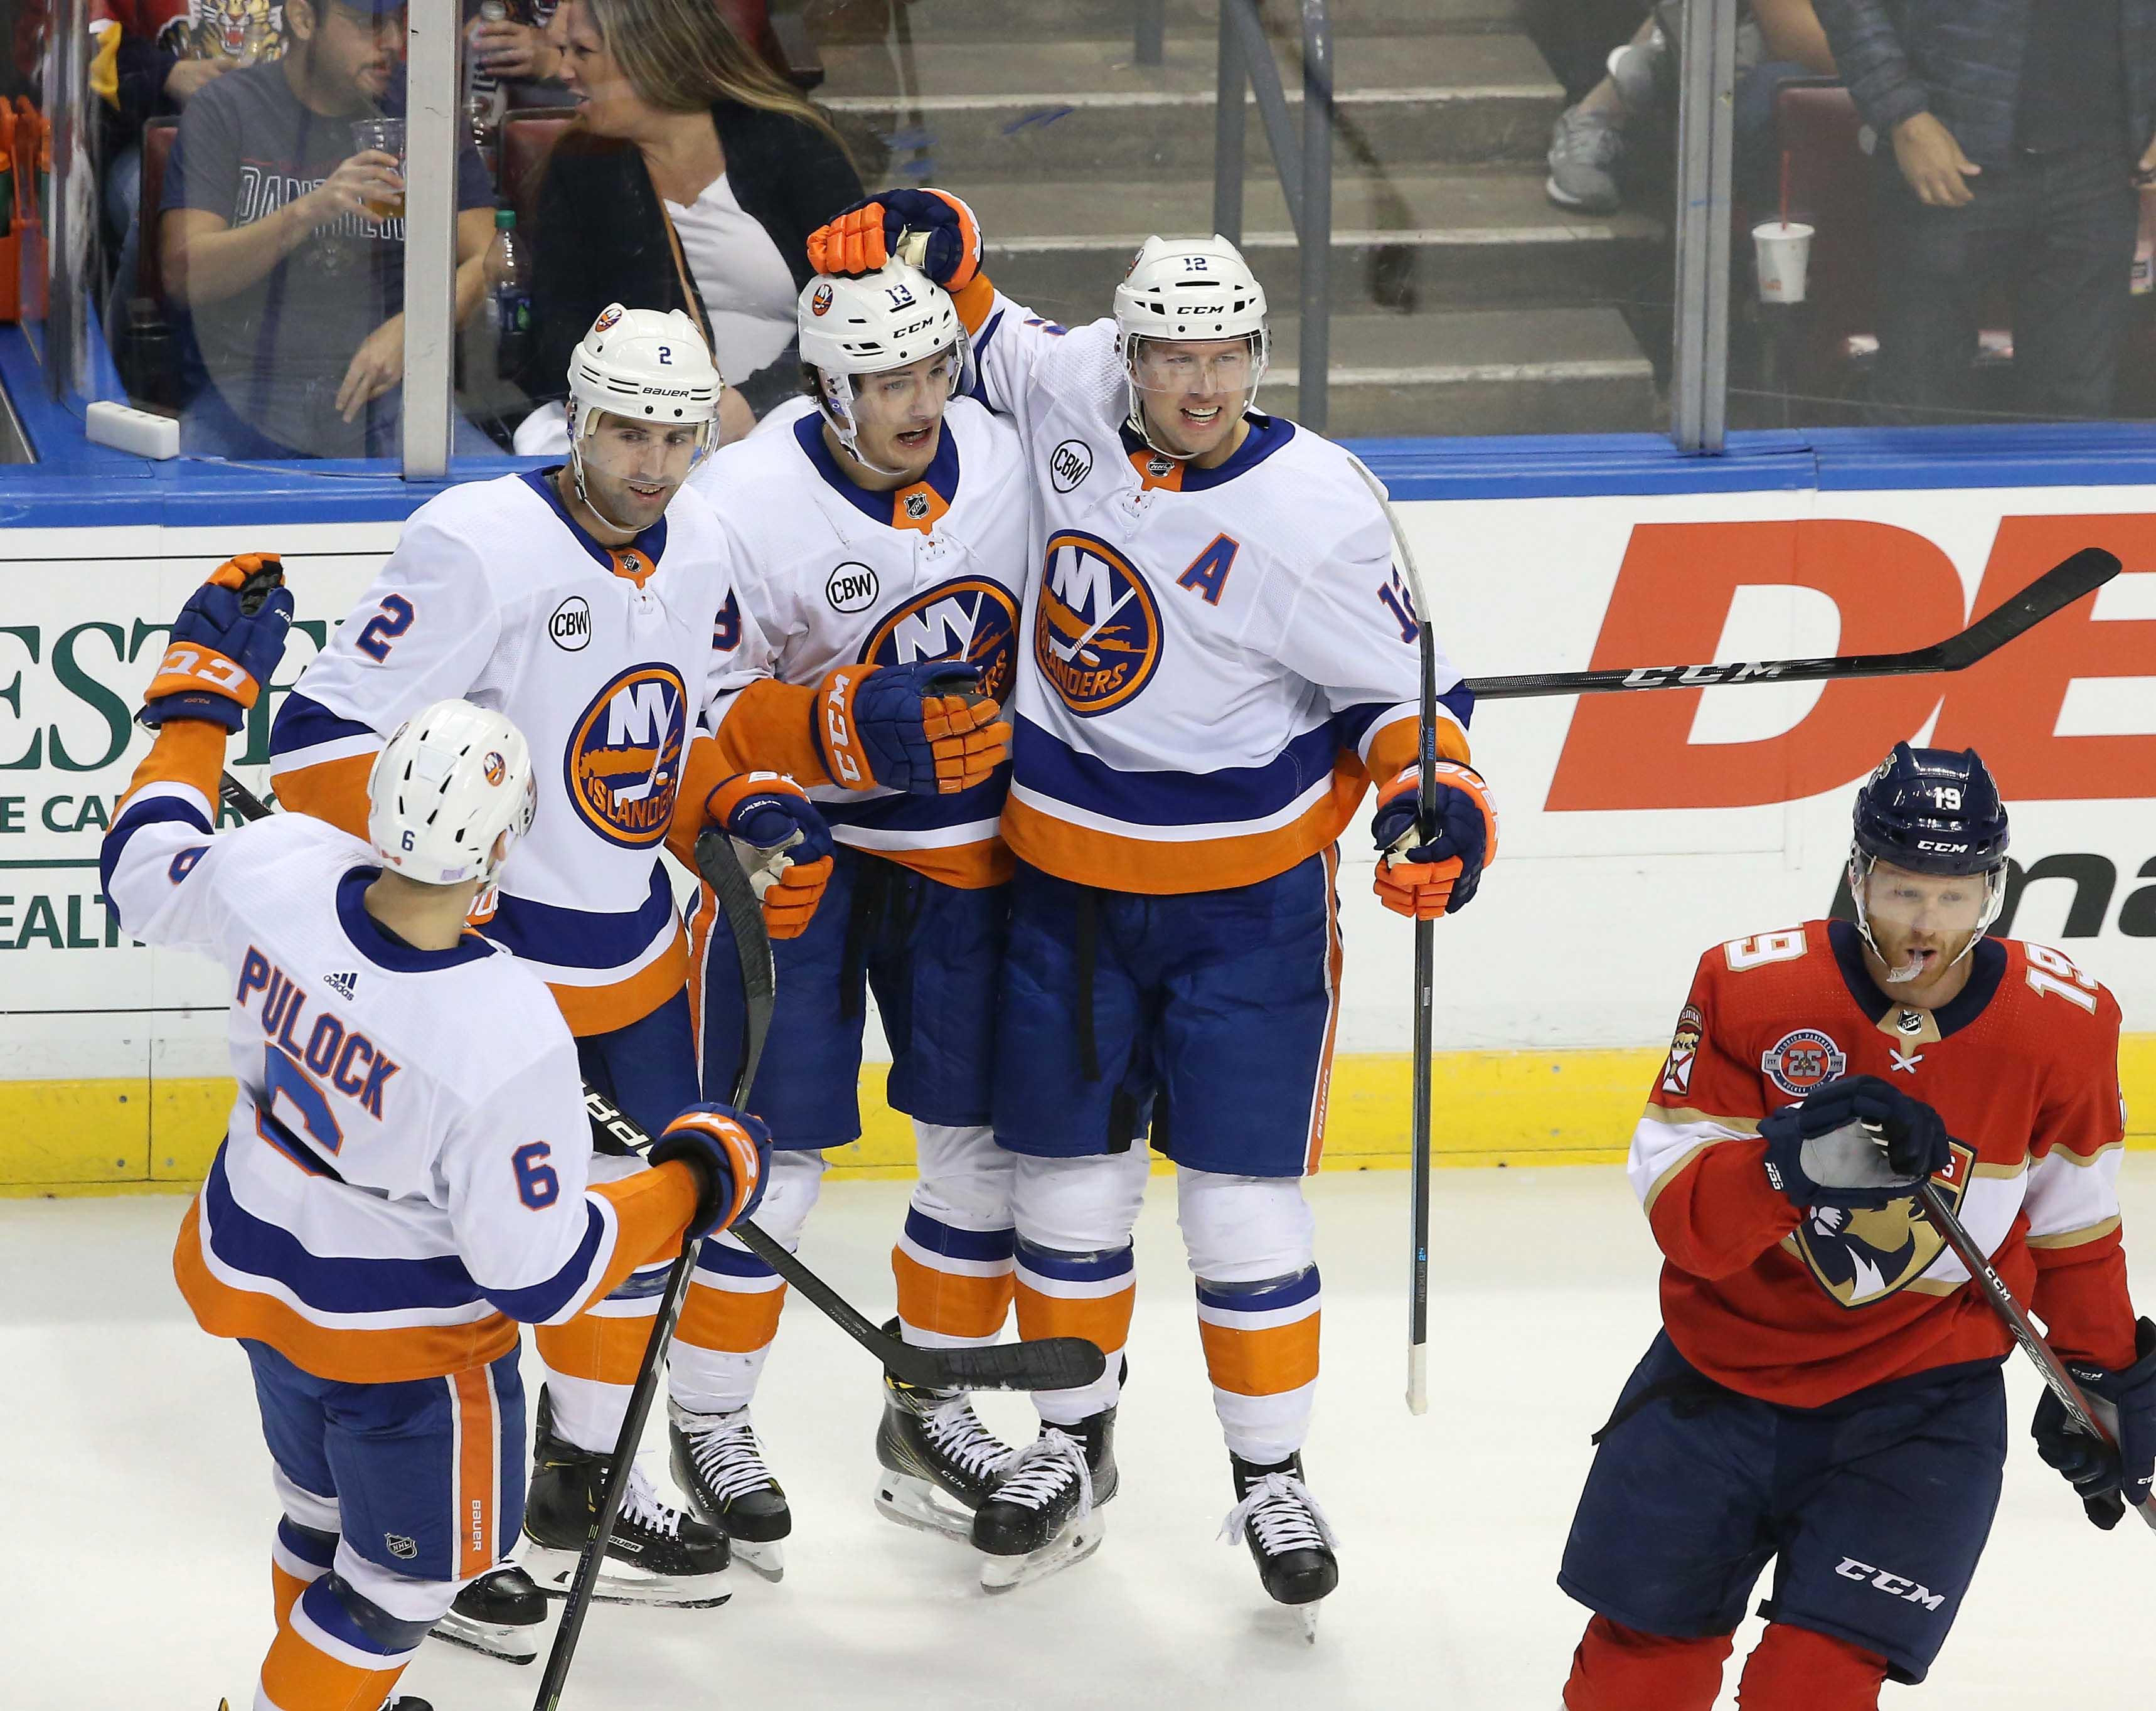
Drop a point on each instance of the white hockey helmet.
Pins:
(649, 365)
(1196, 288)
(883, 319)
(445, 787)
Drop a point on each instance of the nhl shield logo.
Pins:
(917, 505)
(1800, 1060)
(1864, 1256)
(400, 1547)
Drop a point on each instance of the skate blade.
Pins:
(1006, 1574)
(1307, 1613)
(923, 1506)
(620, 1583)
(767, 1560)
(511, 1645)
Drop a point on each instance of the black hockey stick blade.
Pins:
(723, 872)
(2061, 586)
(1046, 1364)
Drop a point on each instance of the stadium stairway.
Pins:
(1463, 302)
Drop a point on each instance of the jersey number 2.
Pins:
(383, 629)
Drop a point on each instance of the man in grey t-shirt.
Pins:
(295, 292)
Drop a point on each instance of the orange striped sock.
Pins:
(1261, 1352)
(954, 1286)
(1088, 1295)
(320, 1661)
(300, 1557)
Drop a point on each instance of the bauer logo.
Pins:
(623, 760)
(1097, 639)
(1800, 1060)
(571, 625)
(1069, 464)
(971, 620)
(852, 587)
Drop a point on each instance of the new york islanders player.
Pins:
(1218, 658)
(405, 1173)
(595, 604)
(885, 525)
(1826, 1389)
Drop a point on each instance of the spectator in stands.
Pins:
(2016, 130)
(1777, 40)
(691, 180)
(295, 290)
(517, 49)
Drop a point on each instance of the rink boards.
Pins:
(1637, 829)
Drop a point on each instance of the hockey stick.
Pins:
(2071, 1395)
(1425, 974)
(2059, 586)
(1044, 1364)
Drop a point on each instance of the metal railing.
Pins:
(1304, 163)
(1699, 383)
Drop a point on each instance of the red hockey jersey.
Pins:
(1803, 1308)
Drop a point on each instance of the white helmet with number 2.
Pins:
(444, 789)
(884, 320)
(649, 365)
(1189, 289)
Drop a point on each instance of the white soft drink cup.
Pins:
(1784, 251)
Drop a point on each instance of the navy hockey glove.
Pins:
(783, 842)
(868, 235)
(2108, 1479)
(729, 1151)
(1436, 878)
(1853, 1143)
(923, 729)
(226, 642)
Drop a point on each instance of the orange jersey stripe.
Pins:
(652, 1208)
(1393, 749)
(1103, 1320)
(186, 751)
(600, 1009)
(383, 1357)
(950, 1303)
(336, 791)
(966, 867)
(478, 1460)
(1267, 1362)
(769, 727)
(732, 1321)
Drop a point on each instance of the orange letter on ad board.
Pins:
(1894, 589)
(2007, 707)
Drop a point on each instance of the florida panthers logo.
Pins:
(969, 618)
(1097, 637)
(623, 762)
(1865, 1256)
(226, 29)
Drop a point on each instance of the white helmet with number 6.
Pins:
(884, 320)
(445, 788)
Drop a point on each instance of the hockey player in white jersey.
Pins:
(595, 604)
(1219, 657)
(406, 1172)
(885, 527)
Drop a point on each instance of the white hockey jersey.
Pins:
(608, 662)
(1217, 660)
(837, 575)
(404, 1172)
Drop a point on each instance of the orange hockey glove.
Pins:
(930, 228)
(781, 840)
(1423, 881)
(923, 728)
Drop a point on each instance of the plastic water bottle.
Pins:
(508, 288)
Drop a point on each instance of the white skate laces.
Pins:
(725, 1452)
(957, 1431)
(1043, 1468)
(641, 1506)
(1286, 1515)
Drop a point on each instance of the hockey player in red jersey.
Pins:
(1826, 1389)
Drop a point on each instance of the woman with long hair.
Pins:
(690, 180)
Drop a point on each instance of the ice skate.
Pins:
(719, 1461)
(1290, 1539)
(939, 1463)
(501, 1613)
(657, 1554)
(1044, 1513)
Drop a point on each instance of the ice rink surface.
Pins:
(139, 1513)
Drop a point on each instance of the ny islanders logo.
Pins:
(969, 618)
(1097, 636)
(1867, 1255)
(623, 763)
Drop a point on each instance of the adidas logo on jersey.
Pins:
(343, 984)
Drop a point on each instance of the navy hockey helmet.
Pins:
(1932, 810)
(1935, 812)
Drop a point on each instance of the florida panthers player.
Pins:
(1219, 656)
(885, 528)
(1826, 1389)
(595, 604)
(405, 1174)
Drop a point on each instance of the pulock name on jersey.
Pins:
(344, 1058)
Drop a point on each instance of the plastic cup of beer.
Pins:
(387, 135)
(1784, 252)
